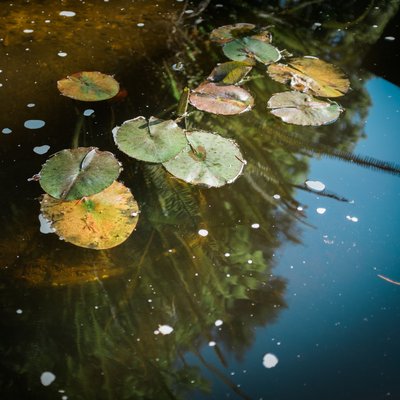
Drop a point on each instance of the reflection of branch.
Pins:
(324, 193)
(295, 140)
(222, 376)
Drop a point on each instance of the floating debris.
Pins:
(47, 378)
(270, 360)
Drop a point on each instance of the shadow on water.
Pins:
(97, 319)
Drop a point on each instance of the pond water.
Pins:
(262, 289)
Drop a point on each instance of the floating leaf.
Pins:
(230, 73)
(227, 33)
(209, 160)
(303, 109)
(74, 173)
(225, 100)
(101, 221)
(248, 47)
(311, 75)
(88, 86)
(153, 141)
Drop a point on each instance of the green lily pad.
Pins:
(208, 160)
(74, 173)
(230, 73)
(225, 100)
(100, 221)
(311, 75)
(152, 141)
(88, 86)
(248, 48)
(227, 33)
(303, 109)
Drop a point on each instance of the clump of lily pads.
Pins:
(86, 205)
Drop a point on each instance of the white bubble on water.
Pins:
(47, 378)
(67, 13)
(321, 210)
(315, 185)
(270, 360)
(218, 322)
(203, 232)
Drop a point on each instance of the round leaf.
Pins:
(303, 109)
(153, 141)
(88, 86)
(226, 33)
(311, 75)
(101, 221)
(248, 47)
(208, 160)
(74, 173)
(225, 100)
(230, 73)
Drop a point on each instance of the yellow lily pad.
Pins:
(311, 75)
(100, 221)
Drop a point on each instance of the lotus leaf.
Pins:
(303, 109)
(208, 160)
(225, 100)
(311, 75)
(101, 221)
(88, 86)
(230, 73)
(153, 141)
(248, 48)
(74, 173)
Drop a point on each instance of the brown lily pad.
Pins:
(224, 100)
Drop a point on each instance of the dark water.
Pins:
(273, 275)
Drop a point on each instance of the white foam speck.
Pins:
(41, 149)
(390, 38)
(212, 343)
(165, 329)
(270, 360)
(276, 196)
(6, 131)
(45, 225)
(67, 13)
(88, 112)
(203, 232)
(352, 219)
(227, 254)
(140, 24)
(255, 226)
(30, 105)
(218, 322)
(34, 124)
(299, 208)
(47, 378)
(62, 54)
(19, 311)
(189, 12)
(28, 30)
(315, 185)
(321, 210)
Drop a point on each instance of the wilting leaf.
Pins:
(101, 221)
(226, 33)
(208, 160)
(88, 86)
(248, 48)
(74, 173)
(311, 75)
(230, 73)
(225, 100)
(303, 109)
(153, 141)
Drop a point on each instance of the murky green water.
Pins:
(262, 266)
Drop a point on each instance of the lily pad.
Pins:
(303, 109)
(248, 48)
(225, 100)
(153, 141)
(227, 33)
(101, 221)
(208, 160)
(74, 173)
(230, 73)
(311, 75)
(88, 86)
